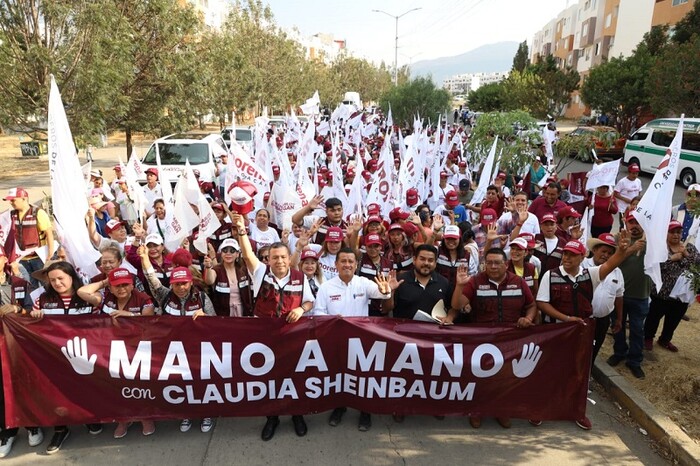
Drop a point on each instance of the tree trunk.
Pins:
(129, 146)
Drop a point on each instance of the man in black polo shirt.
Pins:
(422, 287)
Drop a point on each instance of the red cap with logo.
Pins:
(412, 197)
(488, 216)
(373, 239)
(180, 275)
(334, 235)
(120, 276)
(633, 168)
(113, 225)
(567, 212)
(398, 214)
(373, 209)
(15, 193)
(451, 232)
(548, 218)
(674, 225)
(308, 254)
(242, 194)
(451, 199)
(530, 238)
(576, 247)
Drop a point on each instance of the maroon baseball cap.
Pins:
(410, 229)
(631, 218)
(451, 231)
(15, 193)
(567, 212)
(180, 275)
(373, 219)
(674, 225)
(530, 238)
(120, 276)
(373, 239)
(112, 225)
(396, 226)
(451, 199)
(398, 214)
(604, 238)
(308, 254)
(412, 197)
(443, 174)
(334, 235)
(275, 170)
(576, 247)
(488, 216)
(373, 209)
(548, 218)
(633, 168)
(152, 171)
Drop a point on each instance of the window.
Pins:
(639, 136)
(608, 20)
(597, 48)
(584, 31)
(662, 138)
(678, 2)
(178, 153)
(691, 141)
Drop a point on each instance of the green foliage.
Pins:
(416, 97)
(521, 59)
(488, 98)
(675, 79)
(558, 83)
(526, 92)
(684, 29)
(516, 151)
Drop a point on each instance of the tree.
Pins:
(521, 60)
(684, 29)
(558, 83)
(675, 79)
(488, 98)
(526, 91)
(419, 96)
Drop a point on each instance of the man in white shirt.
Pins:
(348, 295)
(608, 296)
(628, 188)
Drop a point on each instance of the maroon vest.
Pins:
(552, 260)
(271, 302)
(54, 306)
(26, 232)
(528, 274)
(323, 229)
(569, 297)
(135, 304)
(19, 290)
(368, 270)
(174, 307)
(220, 290)
(447, 268)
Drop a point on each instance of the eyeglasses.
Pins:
(228, 250)
(265, 258)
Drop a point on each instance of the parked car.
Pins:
(244, 136)
(201, 149)
(609, 144)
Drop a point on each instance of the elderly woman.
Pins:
(182, 298)
(261, 232)
(60, 297)
(120, 299)
(663, 305)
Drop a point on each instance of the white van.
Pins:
(648, 145)
(202, 150)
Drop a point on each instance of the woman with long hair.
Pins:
(60, 297)
(398, 249)
(231, 290)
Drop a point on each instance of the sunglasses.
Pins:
(228, 250)
(264, 258)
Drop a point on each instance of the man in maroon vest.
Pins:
(279, 292)
(566, 291)
(334, 216)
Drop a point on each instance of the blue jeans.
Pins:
(634, 310)
(30, 266)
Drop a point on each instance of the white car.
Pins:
(202, 151)
(244, 136)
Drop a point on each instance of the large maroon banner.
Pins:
(79, 369)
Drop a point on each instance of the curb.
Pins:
(659, 426)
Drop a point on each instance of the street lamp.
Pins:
(396, 40)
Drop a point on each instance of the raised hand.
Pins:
(522, 215)
(77, 354)
(285, 236)
(355, 224)
(304, 238)
(492, 232)
(315, 202)
(238, 221)
(462, 275)
(524, 366)
(576, 231)
(139, 232)
(142, 251)
(393, 282)
(382, 283)
(438, 222)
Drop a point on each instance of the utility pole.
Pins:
(396, 39)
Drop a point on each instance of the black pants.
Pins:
(597, 231)
(602, 324)
(671, 310)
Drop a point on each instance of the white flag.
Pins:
(485, 177)
(310, 107)
(654, 210)
(68, 188)
(183, 219)
(208, 224)
(603, 174)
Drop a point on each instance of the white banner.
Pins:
(485, 177)
(603, 174)
(68, 188)
(654, 210)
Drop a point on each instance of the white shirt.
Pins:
(335, 297)
(327, 264)
(151, 195)
(442, 192)
(629, 189)
(543, 291)
(604, 296)
(264, 238)
(531, 225)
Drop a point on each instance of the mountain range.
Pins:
(488, 58)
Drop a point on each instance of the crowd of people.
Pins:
(514, 258)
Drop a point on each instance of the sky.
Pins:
(441, 28)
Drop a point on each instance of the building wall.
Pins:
(633, 21)
(666, 13)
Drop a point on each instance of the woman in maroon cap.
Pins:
(308, 263)
(120, 299)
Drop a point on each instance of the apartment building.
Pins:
(468, 82)
(588, 32)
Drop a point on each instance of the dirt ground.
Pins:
(672, 380)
